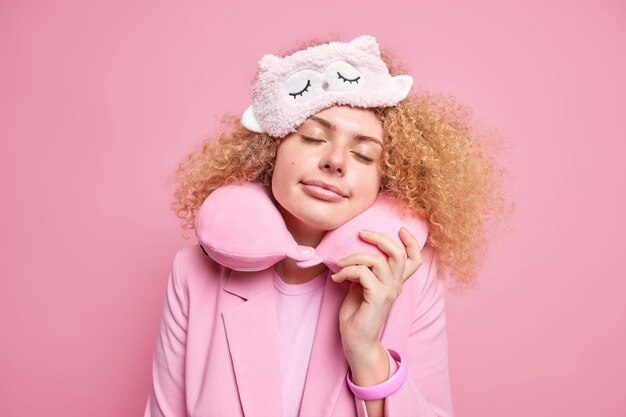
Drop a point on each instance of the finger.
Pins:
(371, 285)
(395, 252)
(358, 273)
(377, 263)
(414, 255)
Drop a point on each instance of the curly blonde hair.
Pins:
(435, 161)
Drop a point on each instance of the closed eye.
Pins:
(347, 80)
(301, 92)
(310, 139)
(363, 158)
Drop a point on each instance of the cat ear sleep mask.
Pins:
(289, 89)
(239, 227)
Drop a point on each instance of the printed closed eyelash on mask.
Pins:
(341, 77)
(308, 84)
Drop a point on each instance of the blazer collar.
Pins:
(254, 344)
(249, 284)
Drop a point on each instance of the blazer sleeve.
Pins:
(167, 394)
(426, 391)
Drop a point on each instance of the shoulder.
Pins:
(430, 292)
(425, 289)
(426, 275)
(191, 266)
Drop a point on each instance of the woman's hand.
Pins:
(376, 284)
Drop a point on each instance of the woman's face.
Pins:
(327, 172)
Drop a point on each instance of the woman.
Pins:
(369, 339)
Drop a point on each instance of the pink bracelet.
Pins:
(384, 389)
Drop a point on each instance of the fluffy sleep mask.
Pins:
(240, 227)
(290, 89)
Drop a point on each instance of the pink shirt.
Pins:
(298, 307)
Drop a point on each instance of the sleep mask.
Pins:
(289, 89)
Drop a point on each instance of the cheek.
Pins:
(285, 157)
(277, 181)
(282, 177)
(370, 185)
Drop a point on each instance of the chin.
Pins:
(324, 220)
(325, 225)
(314, 218)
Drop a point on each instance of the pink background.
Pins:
(99, 102)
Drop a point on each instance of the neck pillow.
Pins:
(239, 227)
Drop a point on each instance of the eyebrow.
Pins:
(331, 126)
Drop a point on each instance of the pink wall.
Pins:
(99, 102)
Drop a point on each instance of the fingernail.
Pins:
(366, 232)
(333, 276)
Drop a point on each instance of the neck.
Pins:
(304, 235)
(289, 272)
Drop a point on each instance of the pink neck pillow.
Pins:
(239, 227)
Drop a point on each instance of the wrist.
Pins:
(368, 366)
(382, 389)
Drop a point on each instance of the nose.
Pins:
(334, 160)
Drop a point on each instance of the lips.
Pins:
(325, 186)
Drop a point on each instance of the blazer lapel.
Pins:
(327, 366)
(253, 341)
